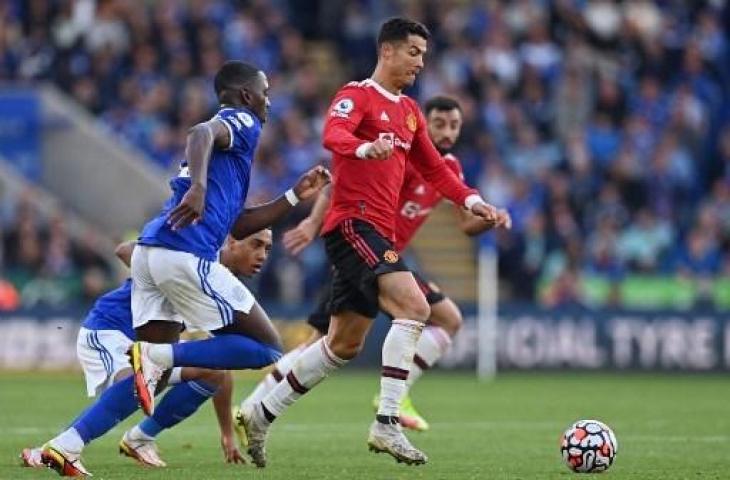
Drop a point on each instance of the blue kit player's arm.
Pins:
(253, 219)
(200, 142)
(222, 402)
(123, 251)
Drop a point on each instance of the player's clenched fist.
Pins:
(504, 219)
(486, 211)
(380, 149)
(190, 209)
(312, 182)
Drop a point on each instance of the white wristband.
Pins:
(472, 200)
(291, 197)
(362, 150)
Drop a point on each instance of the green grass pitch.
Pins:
(668, 427)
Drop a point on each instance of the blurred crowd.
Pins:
(603, 126)
(41, 265)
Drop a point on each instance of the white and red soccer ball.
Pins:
(588, 446)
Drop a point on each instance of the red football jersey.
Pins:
(369, 189)
(417, 199)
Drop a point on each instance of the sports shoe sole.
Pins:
(146, 401)
(127, 451)
(53, 459)
(398, 458)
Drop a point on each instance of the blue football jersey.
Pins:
(113, 311)
(229, 173)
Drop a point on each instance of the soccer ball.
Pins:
(588, 446)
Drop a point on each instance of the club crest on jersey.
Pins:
(390, 256)
(343, 108)
(411, 122)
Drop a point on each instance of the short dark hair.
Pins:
(234, 74)
(442, 103)
(397, 29)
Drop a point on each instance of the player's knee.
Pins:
(345, 349)
(457, 322)
(416, 308)
(453, 324)
(407, 303)
(451, 321)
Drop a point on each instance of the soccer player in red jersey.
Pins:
(373, 131)
(417, 200)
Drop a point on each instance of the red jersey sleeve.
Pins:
(453, 163)
(343, 118)
(433, 167)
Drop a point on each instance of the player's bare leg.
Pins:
(401, 297)
(343, 342)
(256, 324)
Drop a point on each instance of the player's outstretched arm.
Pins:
(473, 225)
(299, 237)
(431, 165)
(124, 252)
(200, 142)
(222, 405)
(253, 219)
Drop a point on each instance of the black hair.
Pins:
(234, 74)
(397, 29)
(442, 104)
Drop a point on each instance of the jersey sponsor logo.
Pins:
(384, 117)
(343, 108)
(394, 141)
(390, 256)
(411, 122)
(412, 209)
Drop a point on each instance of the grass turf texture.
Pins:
(668, 426)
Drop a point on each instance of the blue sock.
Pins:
(114, 405)
(177, 405)
(225, 352)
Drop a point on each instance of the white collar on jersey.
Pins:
(381, 90)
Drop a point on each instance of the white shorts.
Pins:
(180, 287)
(102, 354)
